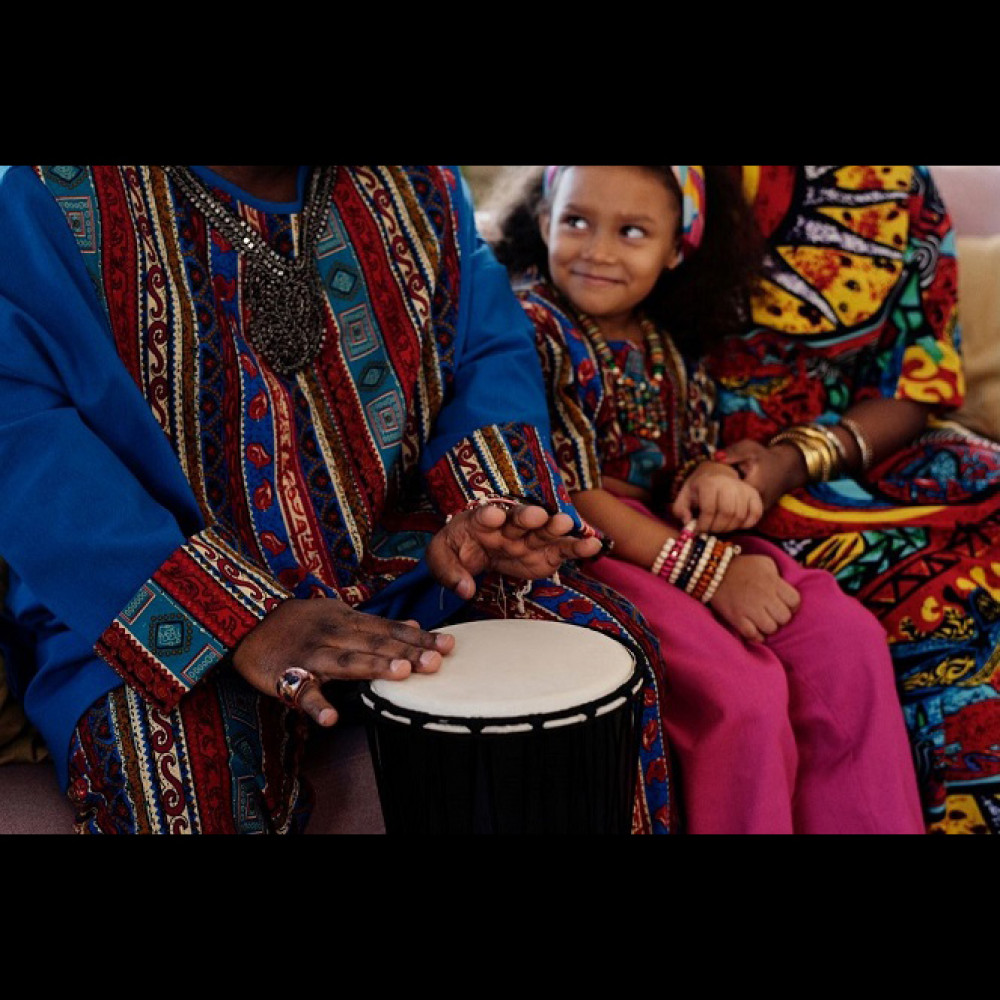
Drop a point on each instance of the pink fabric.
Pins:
(801, 734)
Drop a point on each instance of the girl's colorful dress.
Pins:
(801, 733)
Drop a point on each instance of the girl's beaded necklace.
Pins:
(638, 401)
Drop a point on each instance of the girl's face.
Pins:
(611, 232)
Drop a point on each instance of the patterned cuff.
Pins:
(179, 624)
(506, 460)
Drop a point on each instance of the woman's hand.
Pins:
(724, 502)
(753, 598)
(523, 541)
(334, 642)
(772, 472)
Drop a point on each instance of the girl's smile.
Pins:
(611, 233)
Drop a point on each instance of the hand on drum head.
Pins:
(334, 642)
(522, 541)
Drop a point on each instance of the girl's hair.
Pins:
(703, 299)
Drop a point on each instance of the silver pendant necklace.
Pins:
(285, 298)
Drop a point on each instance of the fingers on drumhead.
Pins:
(410, 631)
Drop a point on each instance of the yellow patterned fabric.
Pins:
(861, 303)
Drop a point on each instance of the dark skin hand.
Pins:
(525, 542)
(335, 642)
(887, 424)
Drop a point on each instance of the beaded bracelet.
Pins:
(686, 536)
(682, 559)
(668, 547)
(667, 558)
(727, 557)
(708, 574)
(687, 572)
(694, 563)
(700, 566)
(704, 581)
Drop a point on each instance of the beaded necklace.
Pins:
(287, 304)
(639, 402)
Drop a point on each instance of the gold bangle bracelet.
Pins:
(829, 443)
(815, 456)
(838, 445)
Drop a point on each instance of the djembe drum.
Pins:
(528, 727)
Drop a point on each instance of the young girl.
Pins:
(782, 709)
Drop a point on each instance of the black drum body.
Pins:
(563, 771)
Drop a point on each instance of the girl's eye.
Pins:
(633, 232)
(574, 222)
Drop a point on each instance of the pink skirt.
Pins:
(802, 733)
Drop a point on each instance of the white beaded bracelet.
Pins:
(699, 568)
(662, 557)
(682, 559)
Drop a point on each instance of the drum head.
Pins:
(528, 727)
(514, 669)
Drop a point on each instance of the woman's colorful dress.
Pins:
(860, 303)
(164, 487)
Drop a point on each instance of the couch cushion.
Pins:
(972, 195)
(979, 314)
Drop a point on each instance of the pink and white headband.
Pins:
(691, 181)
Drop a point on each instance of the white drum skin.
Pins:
(514, 668)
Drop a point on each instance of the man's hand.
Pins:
(522, 541)
(334, 642)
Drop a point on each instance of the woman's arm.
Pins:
(885, 425)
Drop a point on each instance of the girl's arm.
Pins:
(752, 599)
(638, 538)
